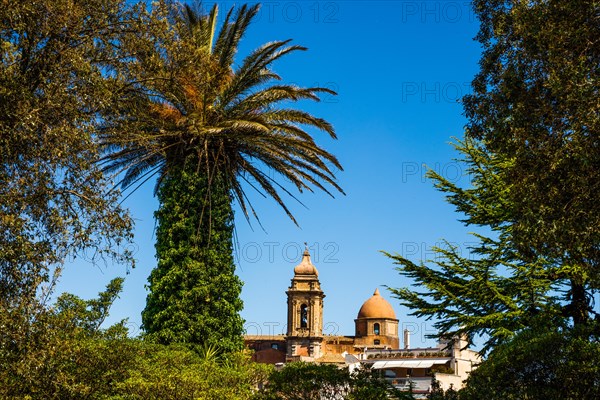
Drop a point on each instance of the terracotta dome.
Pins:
(306, 267)
(377, 307)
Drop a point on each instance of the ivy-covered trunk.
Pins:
(194, 292)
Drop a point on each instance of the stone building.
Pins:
(305, 311)
(375, 341)
(376, 324)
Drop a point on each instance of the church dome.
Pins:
(306, 267)
(377, 307)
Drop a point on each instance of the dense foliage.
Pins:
(542, 362)
(194, 292)
(54, 201)
(178, 373)
(64, 354)
(535, 101)
(307, 381)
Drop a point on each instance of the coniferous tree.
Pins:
(494, 291)
(531, 146)
(534, 101)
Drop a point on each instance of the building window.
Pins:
(376, 328)
(303, 316)
(376, 342)
(275, 346)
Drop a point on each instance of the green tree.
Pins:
(534, 101)
(176, 372)
(494, 291)
(54, 201)
(206, 128)
(368, 384)
(530, 148)
(308, 381)
(194, 292)
(542, 362)
(63, 353)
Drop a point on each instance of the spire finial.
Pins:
(306, 267)
(376, 292)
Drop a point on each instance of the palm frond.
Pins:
(234, 33)
(250, 73)
(231, 122)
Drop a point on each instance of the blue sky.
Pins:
(399, 68)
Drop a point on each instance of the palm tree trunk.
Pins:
(194, 292)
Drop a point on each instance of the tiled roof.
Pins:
(331, 358)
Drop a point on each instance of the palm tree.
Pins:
(208, 131)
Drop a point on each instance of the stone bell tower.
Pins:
(305, 311)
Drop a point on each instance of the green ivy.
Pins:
(194, 292)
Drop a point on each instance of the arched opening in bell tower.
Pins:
(303, 316)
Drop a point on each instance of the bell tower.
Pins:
(305, 311)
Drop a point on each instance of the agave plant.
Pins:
(208, 129)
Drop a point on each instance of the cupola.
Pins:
(376, 307)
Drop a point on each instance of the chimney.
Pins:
(406, 339)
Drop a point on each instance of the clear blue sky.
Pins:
(399, 68)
